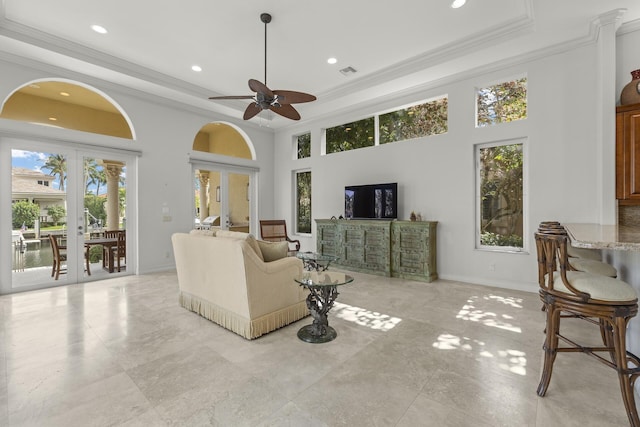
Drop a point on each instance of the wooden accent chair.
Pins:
(275, 230)
(120, 250)
(603, 301)
(60, 255)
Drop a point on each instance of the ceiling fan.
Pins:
(278, 101)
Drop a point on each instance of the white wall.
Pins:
(436, 175)
(165, 134)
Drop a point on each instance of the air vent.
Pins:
(348, 71)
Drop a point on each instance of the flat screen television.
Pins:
(376, 201)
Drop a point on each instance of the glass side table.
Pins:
(315, 261)
(323, 291)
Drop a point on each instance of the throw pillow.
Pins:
(272, 251)
(254, 245)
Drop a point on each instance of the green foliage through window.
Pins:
(414, 122)
(304, 145)
(504, 102)
(303, 202)
(24, 213)
(350, 136)
(501, 195)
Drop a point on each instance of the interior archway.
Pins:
(69, 105)
(224, 139)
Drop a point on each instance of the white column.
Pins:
(607, 25)
(113, 169)
(203, 178)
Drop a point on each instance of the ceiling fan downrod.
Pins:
(266, 18)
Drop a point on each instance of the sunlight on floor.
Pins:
(514, 361)
(363, 317)
(502, 321)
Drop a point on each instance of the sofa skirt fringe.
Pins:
(249, 329)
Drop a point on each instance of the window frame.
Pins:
(525, 196)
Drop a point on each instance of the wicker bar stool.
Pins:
(604, 301)
(590, 262)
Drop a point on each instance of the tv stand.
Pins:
(405, 249)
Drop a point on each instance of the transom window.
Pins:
(303, 145)
(503, 102)
(416, 121)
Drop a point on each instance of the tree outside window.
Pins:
(501, 184)
(416, 121)
(504, 102)
(303, 144)
(351, 136)
(303, 202)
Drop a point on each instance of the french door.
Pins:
(59, 203)
(224, 197)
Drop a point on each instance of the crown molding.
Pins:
(629, 27)
(523, 24)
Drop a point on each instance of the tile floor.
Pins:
(121, 352)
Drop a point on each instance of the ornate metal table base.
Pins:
(319, 302)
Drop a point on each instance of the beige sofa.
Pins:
(223, 276)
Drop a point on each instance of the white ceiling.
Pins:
(151, 45)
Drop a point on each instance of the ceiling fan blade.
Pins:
(232, 97)
(258, 87)
(285, 110)
(293, 97)
(252, 110)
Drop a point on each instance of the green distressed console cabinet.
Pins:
(403, 249)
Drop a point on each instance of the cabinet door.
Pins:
(628, 155)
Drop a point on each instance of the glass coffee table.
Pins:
(323, 291)
(315, 261)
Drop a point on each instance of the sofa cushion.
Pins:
(253, 243)
(211, 233)
(232, 234)
(272, 251)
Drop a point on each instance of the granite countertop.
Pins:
(596, 236)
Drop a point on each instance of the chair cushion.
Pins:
(272, 251)
(593, 267)
(594, 254)
(599, 287)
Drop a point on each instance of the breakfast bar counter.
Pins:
(597, 236)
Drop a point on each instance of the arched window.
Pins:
(67, 105)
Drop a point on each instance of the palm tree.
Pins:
(57, 166)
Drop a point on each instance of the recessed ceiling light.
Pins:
(99, 29)
(332, 60)
(458, 3)
(64, 94)
(196, 68)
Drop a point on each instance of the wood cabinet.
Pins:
(390, 248)
(628, 154)
(413, 250)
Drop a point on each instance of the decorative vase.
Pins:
(631, 92)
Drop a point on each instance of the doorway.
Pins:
(68, 206)
(223, 197)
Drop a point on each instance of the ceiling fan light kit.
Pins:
(278, 101)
